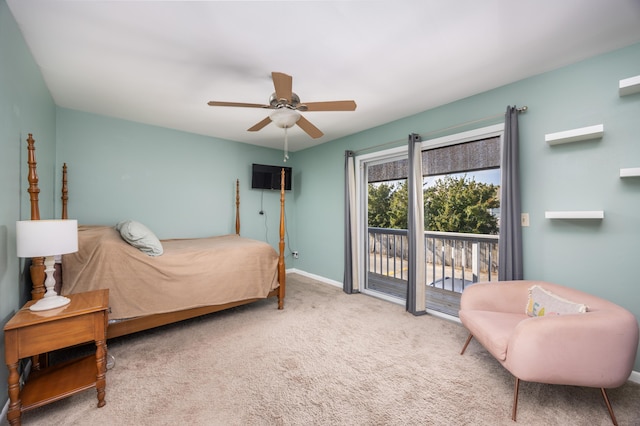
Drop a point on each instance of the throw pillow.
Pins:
(543, 302)
(140, 237)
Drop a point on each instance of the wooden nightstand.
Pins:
(31, 333)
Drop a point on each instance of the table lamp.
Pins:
(47, 238)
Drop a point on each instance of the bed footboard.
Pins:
(282, 276)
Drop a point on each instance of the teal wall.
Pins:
(25, 107)
(595, 256)
(180, 185)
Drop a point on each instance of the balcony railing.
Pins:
(453, 261)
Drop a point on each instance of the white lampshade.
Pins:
(39, 238)
(285, 117)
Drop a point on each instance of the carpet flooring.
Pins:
(328, 358)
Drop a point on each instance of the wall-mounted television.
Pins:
(268, 177)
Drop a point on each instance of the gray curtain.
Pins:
(416, 302)
(510, 242)
(350, 283)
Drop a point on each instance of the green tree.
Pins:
(461, 205)
(388, 205)
(379, 205)
(399, 207)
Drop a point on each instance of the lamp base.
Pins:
(47, 303)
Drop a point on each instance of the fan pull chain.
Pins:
(286, 145)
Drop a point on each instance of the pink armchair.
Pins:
(594, 349)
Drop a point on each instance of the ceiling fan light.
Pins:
(285, 117)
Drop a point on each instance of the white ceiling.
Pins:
(160, 62)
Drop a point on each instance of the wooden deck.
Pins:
(388, 285)
(445, 301)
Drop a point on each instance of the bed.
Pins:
(192, 277)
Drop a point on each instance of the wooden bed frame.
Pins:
(133, 325)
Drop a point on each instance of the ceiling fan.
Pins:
(286, 105)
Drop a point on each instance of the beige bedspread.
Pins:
(190, 273)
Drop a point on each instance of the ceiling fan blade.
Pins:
(328, 106)
(283, 84)
(311, 130)
(237, 104)
(259, 125)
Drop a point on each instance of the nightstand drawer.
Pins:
(47, 337)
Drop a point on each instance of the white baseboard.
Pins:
(316, 277)
(634, 377)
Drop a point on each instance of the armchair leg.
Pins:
(515, 400)
(464, 348)
(515, 403)
(606, 401)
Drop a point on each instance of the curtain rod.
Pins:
(466, 123)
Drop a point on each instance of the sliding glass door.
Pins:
(381, 186)
(460, 185)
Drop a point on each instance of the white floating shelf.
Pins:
(634, 171)
(582, 214)
(575, 135)
(629, 86)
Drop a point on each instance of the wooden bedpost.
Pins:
(282, 277)
(237, 206)
(37, 263)
(33, 178)
(65, 192)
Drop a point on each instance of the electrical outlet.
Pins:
(295, 254)
(524, 219)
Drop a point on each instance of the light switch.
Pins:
(524, 219)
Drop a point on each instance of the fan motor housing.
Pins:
(276, 103)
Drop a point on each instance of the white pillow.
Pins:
(542, 302)
(140, 237)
